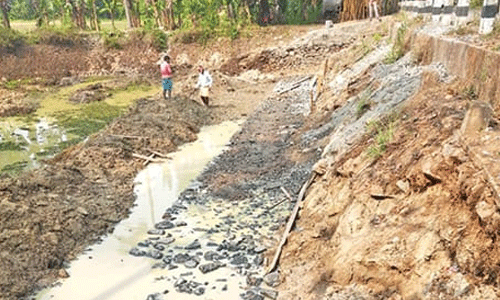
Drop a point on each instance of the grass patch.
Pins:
(15, 168)
(470, 92)
(382, 132)
(363, 105)
(398, 48)
(10, 146)
(89, 120)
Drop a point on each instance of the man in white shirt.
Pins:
(204, 84)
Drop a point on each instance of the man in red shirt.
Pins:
(166, 77)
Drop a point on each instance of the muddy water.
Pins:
(107, 271)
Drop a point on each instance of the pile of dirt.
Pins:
(91, 93)
(309, 51)
(15, 103)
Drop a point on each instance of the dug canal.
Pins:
(205, 222)
(108, 271)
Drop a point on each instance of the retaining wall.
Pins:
(477, 66)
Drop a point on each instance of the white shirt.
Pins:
(204, 79)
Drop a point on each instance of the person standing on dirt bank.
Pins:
(166, 77)
(204, 84)
(373, 9)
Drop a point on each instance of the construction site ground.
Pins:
(403, 204)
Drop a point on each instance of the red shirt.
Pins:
(165, 69)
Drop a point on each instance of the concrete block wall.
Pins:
(476, 66)
(446, 12)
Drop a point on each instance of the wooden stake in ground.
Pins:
(291, 221)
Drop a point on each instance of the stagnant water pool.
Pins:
(107, 271)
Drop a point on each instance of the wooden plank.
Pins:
(291, 221)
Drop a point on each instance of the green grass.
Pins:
(27, 26)
(398, 48)
(363, 104)
(90, 119)
(382, 134)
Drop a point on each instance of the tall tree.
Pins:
(131, 13)
(168, 15)
(5, 7)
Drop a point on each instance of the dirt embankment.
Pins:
(406, 211)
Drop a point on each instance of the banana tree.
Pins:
(110, 7)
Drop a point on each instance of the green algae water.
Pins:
(59, 123)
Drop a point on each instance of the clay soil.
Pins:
(408, 224)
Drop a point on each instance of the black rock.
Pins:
(167, 259)
(191, 264)
(274, 228)
(159, 247)
(239, 259)
(193, 246)
(254, 280)
(137, 252)
(156, 232)
(251, 295)
(181, 258)
(159, 266)
(166, 241)
(212, 255)
(155, 254)
(258, 260)
(224, 288)
(180, 281)
(187, 274)
(164, 225)
(180, 224)
(199, 291)
(206, 268)
(212, 244)
(172, 266)
(153, 297)
(272, 294)
(145, 243)
(193, 284)
(259, 249)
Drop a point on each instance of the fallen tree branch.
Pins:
(148, 158)
(288, 197)
(158, 153)
(127, 136)
(291, 221)
(295, 85)
(147, 161)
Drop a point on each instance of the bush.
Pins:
(66, 36)
(10, 40)
(112, 40)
